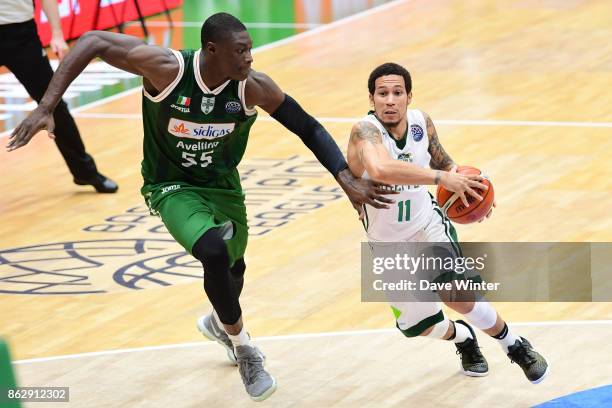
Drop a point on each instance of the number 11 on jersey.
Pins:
(403, 208)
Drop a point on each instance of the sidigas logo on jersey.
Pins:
(417, 132)
(179, 129)
(198, 131)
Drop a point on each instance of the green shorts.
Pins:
(188, 212)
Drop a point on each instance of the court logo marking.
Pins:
(95, 266)
(134, 251)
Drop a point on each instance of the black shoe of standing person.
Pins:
(101, 183)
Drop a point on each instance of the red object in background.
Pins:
(79, 16)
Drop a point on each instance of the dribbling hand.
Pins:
(462, 185)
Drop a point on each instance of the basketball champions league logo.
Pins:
(134, 251)
(417, 132)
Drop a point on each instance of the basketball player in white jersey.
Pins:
(400, 147)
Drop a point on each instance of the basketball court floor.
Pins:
(96, 296)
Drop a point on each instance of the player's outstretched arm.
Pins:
(365, 147)
(157, 65)
(262, 91)
(440, 160)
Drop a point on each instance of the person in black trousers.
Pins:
(22, 53)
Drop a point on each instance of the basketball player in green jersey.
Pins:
(198, 107)
(400, 146)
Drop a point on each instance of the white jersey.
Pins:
(16, 11)
(413, 206)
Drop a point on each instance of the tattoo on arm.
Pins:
(440, 160)
(367, 132)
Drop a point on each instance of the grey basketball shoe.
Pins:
(258, 383)
(209, 328)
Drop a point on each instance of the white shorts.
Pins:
(413, 317)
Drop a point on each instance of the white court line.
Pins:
(458, 122)
(91, 104)
(248, 25)
(477, 122)
(86, 115)
(255, 50)
(523, 123)
(290, 337)
(24, 107)
(107, 99)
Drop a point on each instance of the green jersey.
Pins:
(193, 134)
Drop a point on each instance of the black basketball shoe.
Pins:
(473, 362)
(533, 364)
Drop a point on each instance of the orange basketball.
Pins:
(455, 209)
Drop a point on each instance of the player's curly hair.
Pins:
(218, 26)
(389, 68)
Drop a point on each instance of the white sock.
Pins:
(240, 339)
(439, 330)
(506, 338)
(462, 333)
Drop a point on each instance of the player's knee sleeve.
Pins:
(237, 270)
(482, 315)
(439, 330)
(211, 250)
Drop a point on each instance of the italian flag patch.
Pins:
(183, 100)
